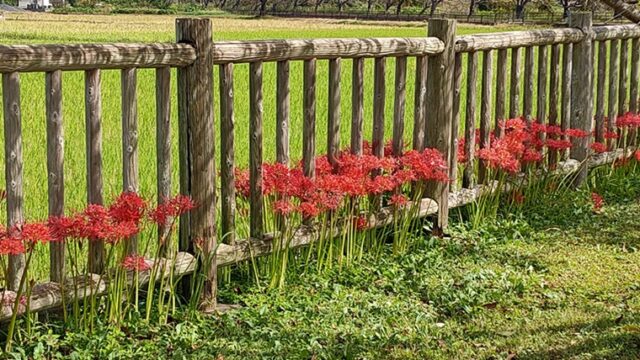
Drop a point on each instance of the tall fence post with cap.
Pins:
(197, 154)
(440, 108)
(582, 91)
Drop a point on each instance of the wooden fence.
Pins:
(565, 79)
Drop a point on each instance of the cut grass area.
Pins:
(550, 281)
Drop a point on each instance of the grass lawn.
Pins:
(549, 280)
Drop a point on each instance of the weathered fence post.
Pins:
(440, 112)
(197, 160)
(582, 91)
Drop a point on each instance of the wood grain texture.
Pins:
(227, 156)
(565, 108)
(614, 72)
(130, 167)
(195, 104)
(485, 109)
(420, 103)
(283, 116)
(609, 32)
(635, 75)
(255, 150)
(624, 77)
(379, 96)
(357, 105)
(163, 148)
(309, 118)
(93, 119)
(601, 91)
(55, 167)
(514, 88)
(543, 64)
(455, 125)
(529, 82)
(333, 123)
(13, 169)
(501, 91)
(438, 124)
(399, 102)
(582, 92)
(514, 39)
(307, 49)
(468, 177)
(93, 56)
(555, 73)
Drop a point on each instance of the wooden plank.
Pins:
(485, 109)
(554, 96)
(195, 103)
(399, 105)
(333, 124)
(13, 169)
(565, 108)
(514, 39)
(38, 58)
(609, 32)
(543, 63)
(440, 92)
(514, 96)
(470, 121)
(227, 156)
(130, 181)
(635, 75)
(309, 118)
(582, 92)
(357, 105)
(255, 150)
(455, 125)
(93, 118)
(614, 50)
(420, 100)
(528, 84)
(624, 77)
(163, 148)
(282, 113)
(379, 95)
(501, 91)
(307, 49)
(55, 167)
(601, 90)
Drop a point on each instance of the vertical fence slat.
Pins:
(600, 90)
(635, 75)
(528, 83)
(613, 83)
(333, 133)
(419, 109)
(485, 108)
(399, 104)
(283, 113)
(227, 155)
(543, 60)
(197, 168)
(357, 105)
(13, 168)
(309, 118)
(255, 149)
(554, 95)
(470, 120)
(455, 124)
(440, 90)
(514, 89)
(130, 180)
(93, 116)
(163, 147)
(624, 76)
(55, 167)
(379, 95)
(582, 91)
(501, 91)
(565, 109)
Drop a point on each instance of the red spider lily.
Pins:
(171, 208)
(309, 209)
(558, 144)
(11, 247)
(128, 207)
(628, 120)
(283, 207)
(242, 182)
(361, 223)
(135, 263)
(598, 147)
(611, 135)
(462, 156)
(576, 133)
(531, 156)
(597, 200)
(554, 130)
(518, 197)
(30, 233)
(398, 200)
(637, 155)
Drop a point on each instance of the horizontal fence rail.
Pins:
(466, 85)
